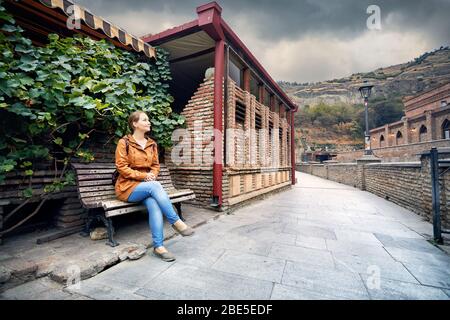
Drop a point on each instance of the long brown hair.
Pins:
(134, 117)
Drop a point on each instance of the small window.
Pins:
(423, 133)
(443, 103)
(399, 138)
(382, 142)
(446, 129)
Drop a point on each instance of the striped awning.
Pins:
(95, 22)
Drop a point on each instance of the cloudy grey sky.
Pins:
(303, 40)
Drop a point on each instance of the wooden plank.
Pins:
(94, 165)
(116, 204)
(118, 212)
(95, 177)
(95, 183)
(180, 192)
(95, 171)
(96, 188)
(181, 199)
(85, 195)
(102, 197)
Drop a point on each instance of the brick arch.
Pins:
(423, 132)
(445, 129)
(399, 138)
(382, 141)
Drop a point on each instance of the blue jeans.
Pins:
(158, 203)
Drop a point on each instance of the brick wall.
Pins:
(197, 175)
(319, 170)
(344, 173)
(243, 179)
(399, 183)
(404, 153)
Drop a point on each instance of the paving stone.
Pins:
(283, 292)
(40, 289)
(447, 292)
(5, 274)
(438, 276)
(356, 236)
(241, 243)
(357, 248)
(419, 258)
(195, 254)
(189, 282)
(111, 291)
(132, 273)
(367, 264)
(319, 258)
(310, 231)
(397, 290)
(420, 245)
(311, 242)
(324, 281)
(251, 265)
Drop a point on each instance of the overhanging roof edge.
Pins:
(94, 22)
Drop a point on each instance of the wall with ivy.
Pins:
(54, 98)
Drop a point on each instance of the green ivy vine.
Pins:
(53, 98)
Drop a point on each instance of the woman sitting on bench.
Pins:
(138, 166)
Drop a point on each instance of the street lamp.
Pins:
(365, 91)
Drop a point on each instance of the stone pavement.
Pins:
(319, 240)
(22, 260)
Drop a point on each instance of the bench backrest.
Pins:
(94, 182)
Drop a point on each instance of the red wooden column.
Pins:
(209, 19)
(218, 104)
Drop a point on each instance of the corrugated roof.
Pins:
(95, 22)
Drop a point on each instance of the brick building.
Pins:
(222, 90)
(218, 85)
(427, 118)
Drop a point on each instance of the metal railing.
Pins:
(435, 163)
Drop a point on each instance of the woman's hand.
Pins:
(150, 177)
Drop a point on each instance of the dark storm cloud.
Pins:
(304, 40)
(290, 19)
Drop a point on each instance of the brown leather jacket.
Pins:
(134, 166)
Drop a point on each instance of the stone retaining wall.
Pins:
(402, 153)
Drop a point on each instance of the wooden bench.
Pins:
(97, 195)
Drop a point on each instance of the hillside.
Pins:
(391, 85)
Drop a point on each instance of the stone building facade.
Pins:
(427, 118)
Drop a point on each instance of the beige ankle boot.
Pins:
(183, 229)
